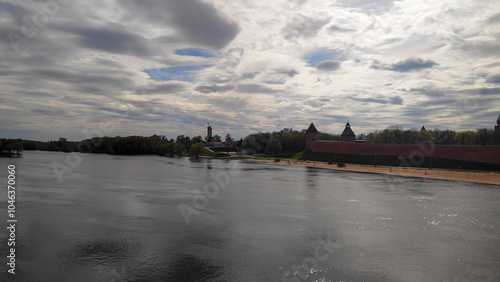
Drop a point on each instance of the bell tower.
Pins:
(497, 131)
(209, 133)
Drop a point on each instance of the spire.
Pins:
(423, 128)
(312, 128)
(348, 135)
(347, 131)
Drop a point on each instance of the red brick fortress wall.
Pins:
(482, 154)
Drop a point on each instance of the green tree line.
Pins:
(10, 146)
(284, 142)
(395, 134)
(130, 145)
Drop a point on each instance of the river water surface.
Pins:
(118, 218)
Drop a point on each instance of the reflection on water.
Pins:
(117, 218)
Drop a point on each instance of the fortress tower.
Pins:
(348, 135)
(312, 134)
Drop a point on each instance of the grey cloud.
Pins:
(493, 78)
(249, 75)
(494, 19)
(90, 89)
(194, 21)
(51, 112)
(365, 3)
(255, 88)
(39, 94)
(235, 104)
(412, 90)
(221, 79)
(482, 48)
(380, 99)
(444, 102)
(290, 73)
(113, 38)
(302, 26)
(408, 65)
(336, 28)
(298, 2)
(338, 117)
(13, 13)
(165, 88)
(486, 91)
(88, 81)
(108, 63)
(210, 88)
(74, 78)
(202, 24)
(412, 64)
(82, 101)
(328, 65)
(391, 41)
(427, 92)
(316, 103)
(35, 61)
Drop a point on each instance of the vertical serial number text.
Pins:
(12, 219)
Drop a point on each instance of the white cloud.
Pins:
(372, 63)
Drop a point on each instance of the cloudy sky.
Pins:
(90, 68)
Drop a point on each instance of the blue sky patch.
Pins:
(316, 57)
(181, 73)
(195, 52)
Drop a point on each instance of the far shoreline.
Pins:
(481, 177)
(492, 178)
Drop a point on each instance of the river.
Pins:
(150, 218)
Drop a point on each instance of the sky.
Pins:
(79, 69)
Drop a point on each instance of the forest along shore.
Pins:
(468, 176)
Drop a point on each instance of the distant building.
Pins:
(209, 133)
(423, 128)
(348, 135)
(222, 144)
(497, 130)
(312, 134)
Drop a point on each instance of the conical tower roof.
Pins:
(312, 129)
(348, 131)
(423, 128)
